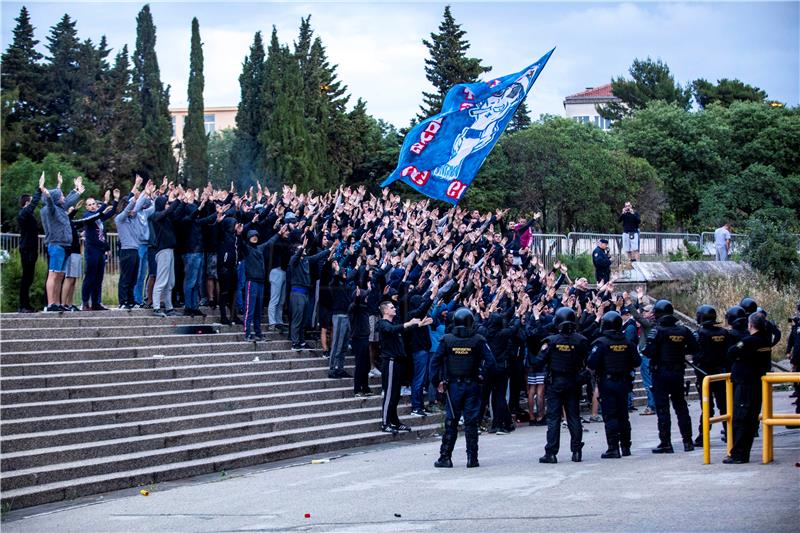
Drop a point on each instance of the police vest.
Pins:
(674, 341)
(616, 354)
(566, 355)
(714, 344)
(462, 356)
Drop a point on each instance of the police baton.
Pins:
(697, 368)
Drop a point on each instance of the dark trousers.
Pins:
(517, 384)
(226, 276)
(614, 399)
(668, 386)
(297, 307)
(716, 396)
(252, 307)
(128, 270)
(501, 416)
(390, 379)
(28, 258)
(360, 347)
(563, 393)
(92, 286)
(746, 408)
(461, 398)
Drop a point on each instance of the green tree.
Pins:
(195, 141)
(154, 137)
(771, 250)
(220, 164)
(651, 80)
(246, 155)
(448, 64)
(520, 120)
(62, 81)
(725, 92)
(21, 79)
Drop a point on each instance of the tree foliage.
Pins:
(195, 141)
(725, 92)
(650, 80)
(771, 250)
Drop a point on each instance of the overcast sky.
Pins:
(378, 45)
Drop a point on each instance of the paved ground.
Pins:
(395, 488)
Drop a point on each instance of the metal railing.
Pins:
(708, 419)
(770, 419)
(10, 241)
(707, 243)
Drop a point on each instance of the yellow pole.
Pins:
(706, 424)
(729, 407)
(766, 414)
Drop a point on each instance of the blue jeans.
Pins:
(193, 275)
(138, 289)
(421, 360)
(254, 302)
(647, 381)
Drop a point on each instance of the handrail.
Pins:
(768, 418)
(708, 419)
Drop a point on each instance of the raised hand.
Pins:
(116, 194)
(106, 197)
(60, 180)
(41, 182)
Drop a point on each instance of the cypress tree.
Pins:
(62, 79)
(448, 64)
(521, 119)
(195, 140)
(21, 81)
(154, 139)
(246, 156)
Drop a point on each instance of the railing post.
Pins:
(706, 424)
(729, 408)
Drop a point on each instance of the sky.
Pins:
(380, 55)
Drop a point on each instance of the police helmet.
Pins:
(749, 305)
(734, 313)
(564, 317)
(612, 321)
(706, 315)
(463, 318)
(663, 308)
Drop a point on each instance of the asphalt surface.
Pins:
(394, 487)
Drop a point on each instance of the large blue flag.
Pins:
(441, 156)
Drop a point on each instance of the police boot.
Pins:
(577, 456)
(472, 460)
(549, 459)
(444, 461)
(612, 452)
(688, 445)
(626, 451)
(665, 446)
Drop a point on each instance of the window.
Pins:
(208, 122)
(584, 119)
(174, 129)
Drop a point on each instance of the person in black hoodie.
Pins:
(359, 340)
(162, 238)
(301, 268)
(28, 247)
(227, 251)
(419, 344)
(194, 223)
(341, 296)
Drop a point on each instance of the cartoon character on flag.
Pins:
(441, 156)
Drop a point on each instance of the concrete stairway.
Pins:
(99, 401)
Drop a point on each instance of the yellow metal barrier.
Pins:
(768, 419)
(708, 420)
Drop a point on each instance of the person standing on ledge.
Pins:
(630, 231)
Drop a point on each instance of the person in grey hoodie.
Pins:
(58, 236)
(130, 231)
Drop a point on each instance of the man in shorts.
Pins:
(630, 227)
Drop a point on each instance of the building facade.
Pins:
(215, 119)
(582, 106)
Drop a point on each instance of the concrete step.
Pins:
(280, 429)
(167, 420)
(110, 365)
(81, 320)
(45, 474)
(141, 476)
(72, 414)
(114, 330)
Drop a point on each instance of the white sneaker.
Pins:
(374, 373)
(405, 391)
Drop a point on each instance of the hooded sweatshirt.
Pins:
(57, 229)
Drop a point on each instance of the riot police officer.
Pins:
(667, 346)
(565, 355)
(457, 369)
(750, 306)
(750, 359)
(613, 357)
(711, 358)
(736, 317)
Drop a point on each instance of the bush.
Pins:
(772, 251)
(689, 252)
(723, 292)
(580, 266)
(12, 275)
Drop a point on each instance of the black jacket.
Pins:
(28, 227)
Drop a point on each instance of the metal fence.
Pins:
(10, 241)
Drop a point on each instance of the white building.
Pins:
(215, 119)
(582, 106)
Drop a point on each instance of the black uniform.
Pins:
(602, 264)
(565, 356)
(750, 359)
(613, 358)
(462, 360)
(393, 355)
(667, 346)
(28, 249)
(793, 351)
(711, 358)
